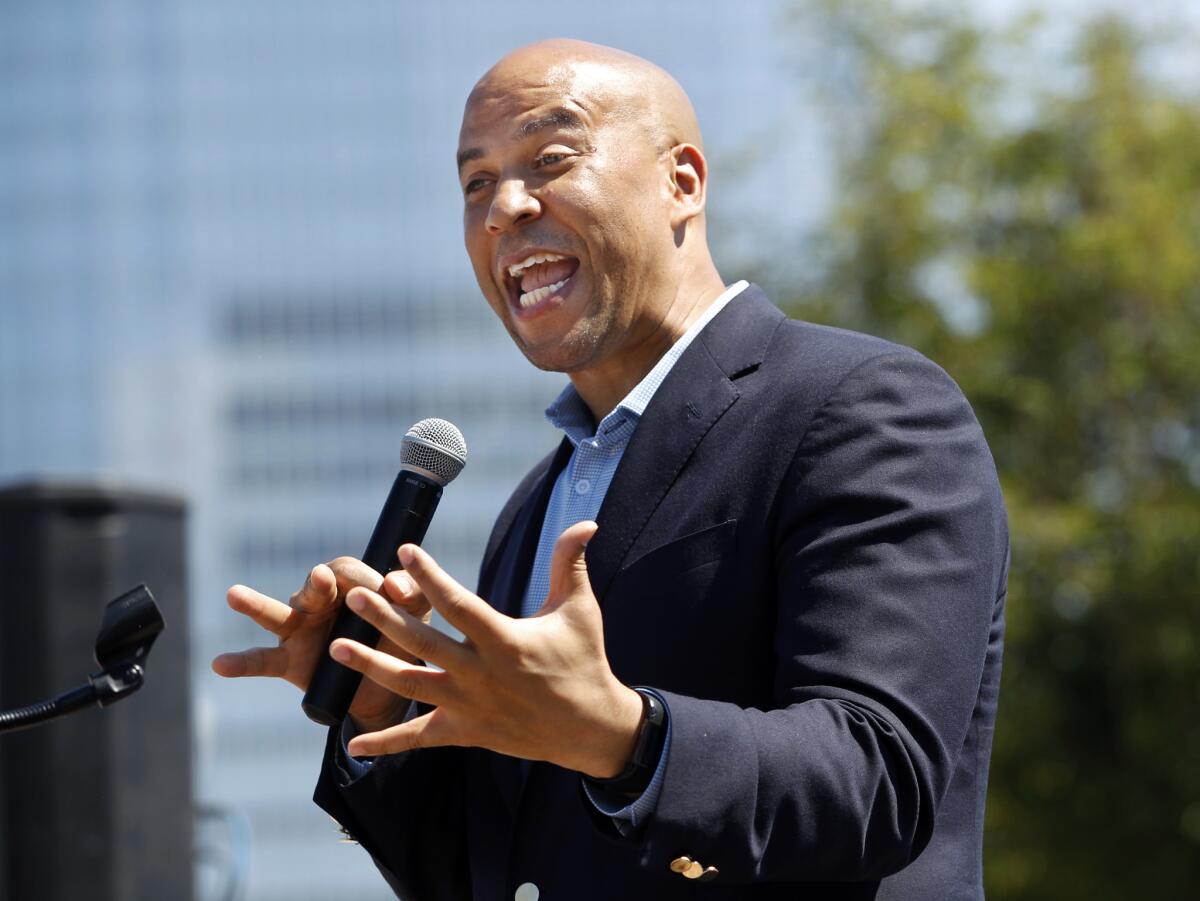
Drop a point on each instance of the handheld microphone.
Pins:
(432, 453)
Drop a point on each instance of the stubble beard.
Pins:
(583, 344)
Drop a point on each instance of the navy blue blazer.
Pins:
(804, 549)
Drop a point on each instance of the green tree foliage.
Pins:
(1033, 224)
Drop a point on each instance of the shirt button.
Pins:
(583, 486)
(527, 891)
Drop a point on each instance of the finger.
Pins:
(386, 646)
(420, 639)
(251, 662)
(265, 611)
(318, 594)
(351, 572)
(568, 565)
(429, 731)
(401, 590)
(462, 609)
(416, 682)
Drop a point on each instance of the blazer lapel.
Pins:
(514, 558)
(513, 567)
(690, 401)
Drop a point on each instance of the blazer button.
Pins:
(526, 891)
(694, 871)
(679, 864)
(709, 874)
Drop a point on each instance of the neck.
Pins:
(607, 383)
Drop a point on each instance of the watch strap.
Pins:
(647, 749)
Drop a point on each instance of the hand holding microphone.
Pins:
(432, 454)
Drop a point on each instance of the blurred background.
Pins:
(231, 270)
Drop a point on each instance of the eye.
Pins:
(549, 159)
(474, 185)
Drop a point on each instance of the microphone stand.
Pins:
(130, 625)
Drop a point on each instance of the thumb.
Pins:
(568, 566)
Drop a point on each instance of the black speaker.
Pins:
(97, 805)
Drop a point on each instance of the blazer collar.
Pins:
(690, 401)
(739, 335)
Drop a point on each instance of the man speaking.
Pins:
(739, 637)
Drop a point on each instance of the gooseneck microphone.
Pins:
(432, 453)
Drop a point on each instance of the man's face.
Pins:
(566, 218)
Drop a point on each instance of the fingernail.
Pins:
(407, 554)
(340, 652)
(356, 601)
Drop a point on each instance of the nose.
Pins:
(511, 205)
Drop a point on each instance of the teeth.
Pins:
(532, 260)
(539, 294)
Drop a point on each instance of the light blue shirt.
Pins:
(578, 493)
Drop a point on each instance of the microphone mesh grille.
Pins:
(435, 446)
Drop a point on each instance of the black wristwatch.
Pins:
(647, 749)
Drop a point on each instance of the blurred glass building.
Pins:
(231, 266)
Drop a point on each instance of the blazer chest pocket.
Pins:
(676, 577)
(681, 554)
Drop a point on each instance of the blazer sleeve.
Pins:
(886, 573)
(408, 812)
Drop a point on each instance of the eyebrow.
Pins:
(559, 118)
(465, 156)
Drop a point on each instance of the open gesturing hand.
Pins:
(538, 688)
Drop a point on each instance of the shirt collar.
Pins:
(571, 415)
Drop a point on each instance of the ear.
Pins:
(689, 182)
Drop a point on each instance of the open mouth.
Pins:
(538, 277)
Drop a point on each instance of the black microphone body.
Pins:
(404, 520)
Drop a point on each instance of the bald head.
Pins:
(584, 182)
(627, 87)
